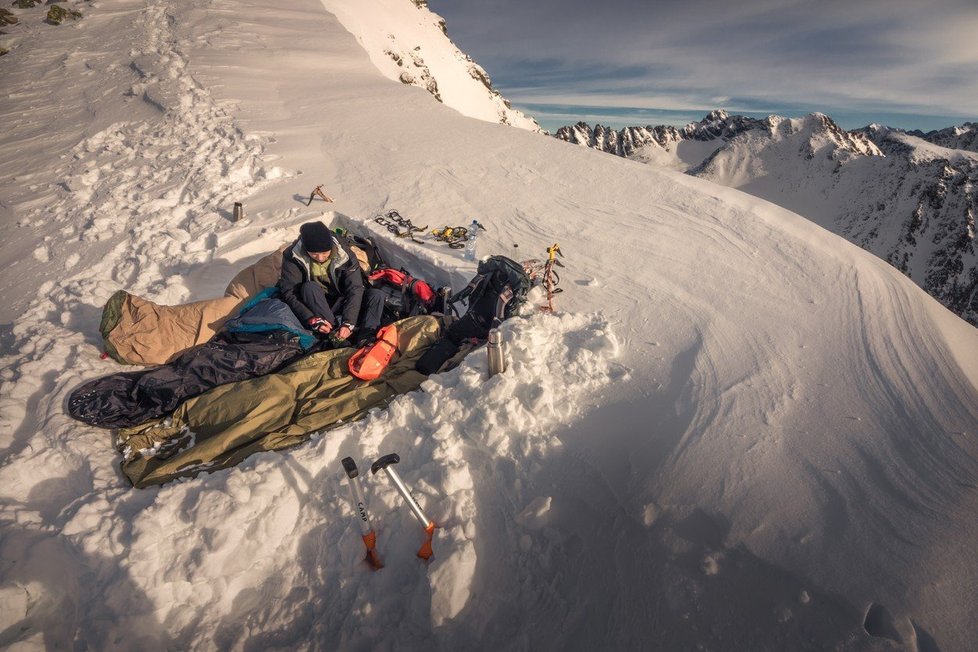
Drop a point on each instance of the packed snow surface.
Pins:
(737, 432)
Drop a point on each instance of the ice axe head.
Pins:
(384, 462)
(350, 467)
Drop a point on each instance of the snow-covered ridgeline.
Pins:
(911, 199)
(715, 129)
(960, 137)
(409, 43)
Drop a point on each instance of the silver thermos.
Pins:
(494, 349)
(238, 213)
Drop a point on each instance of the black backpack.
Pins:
(493, 295)
(498, 289)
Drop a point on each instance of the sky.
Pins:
(907, 64)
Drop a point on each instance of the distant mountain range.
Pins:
(911, 198)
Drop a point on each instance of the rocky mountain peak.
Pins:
(716, 115)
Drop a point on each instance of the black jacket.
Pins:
(344, 293)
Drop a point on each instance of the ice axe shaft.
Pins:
(360, 507)
(359, 503)
(385, 463)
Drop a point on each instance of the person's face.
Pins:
(320, 257)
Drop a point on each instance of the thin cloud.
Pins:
(892, 55)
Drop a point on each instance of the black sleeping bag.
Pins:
(131, 398)
(265, 337)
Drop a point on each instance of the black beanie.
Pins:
(315, 237)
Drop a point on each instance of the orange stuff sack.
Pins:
(370, 361)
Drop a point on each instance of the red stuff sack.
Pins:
(370, 361)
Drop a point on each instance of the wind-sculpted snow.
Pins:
(132, 205)
(737, 432)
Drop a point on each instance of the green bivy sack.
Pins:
(225, 425)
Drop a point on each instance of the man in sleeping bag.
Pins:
(323, 284)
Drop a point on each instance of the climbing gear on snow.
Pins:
(393, 221)
(318, 192)
(550, 277)
(429, 526)
(454, 236)
(360, 507)
(371, 360)
(543, 272)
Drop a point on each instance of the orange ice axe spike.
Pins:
(385, 463)
(360, 507)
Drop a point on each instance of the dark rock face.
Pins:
(938, 200)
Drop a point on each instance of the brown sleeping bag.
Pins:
(138, 331)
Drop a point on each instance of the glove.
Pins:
(424, 292)
(319, 325)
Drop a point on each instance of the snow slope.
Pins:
(740, 432)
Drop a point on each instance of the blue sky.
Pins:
(908, 64)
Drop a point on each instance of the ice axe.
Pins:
(318, 192)
(550, 277)
(360, 507)
(386, 463)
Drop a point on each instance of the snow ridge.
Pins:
(409, 43)
(961, 137)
